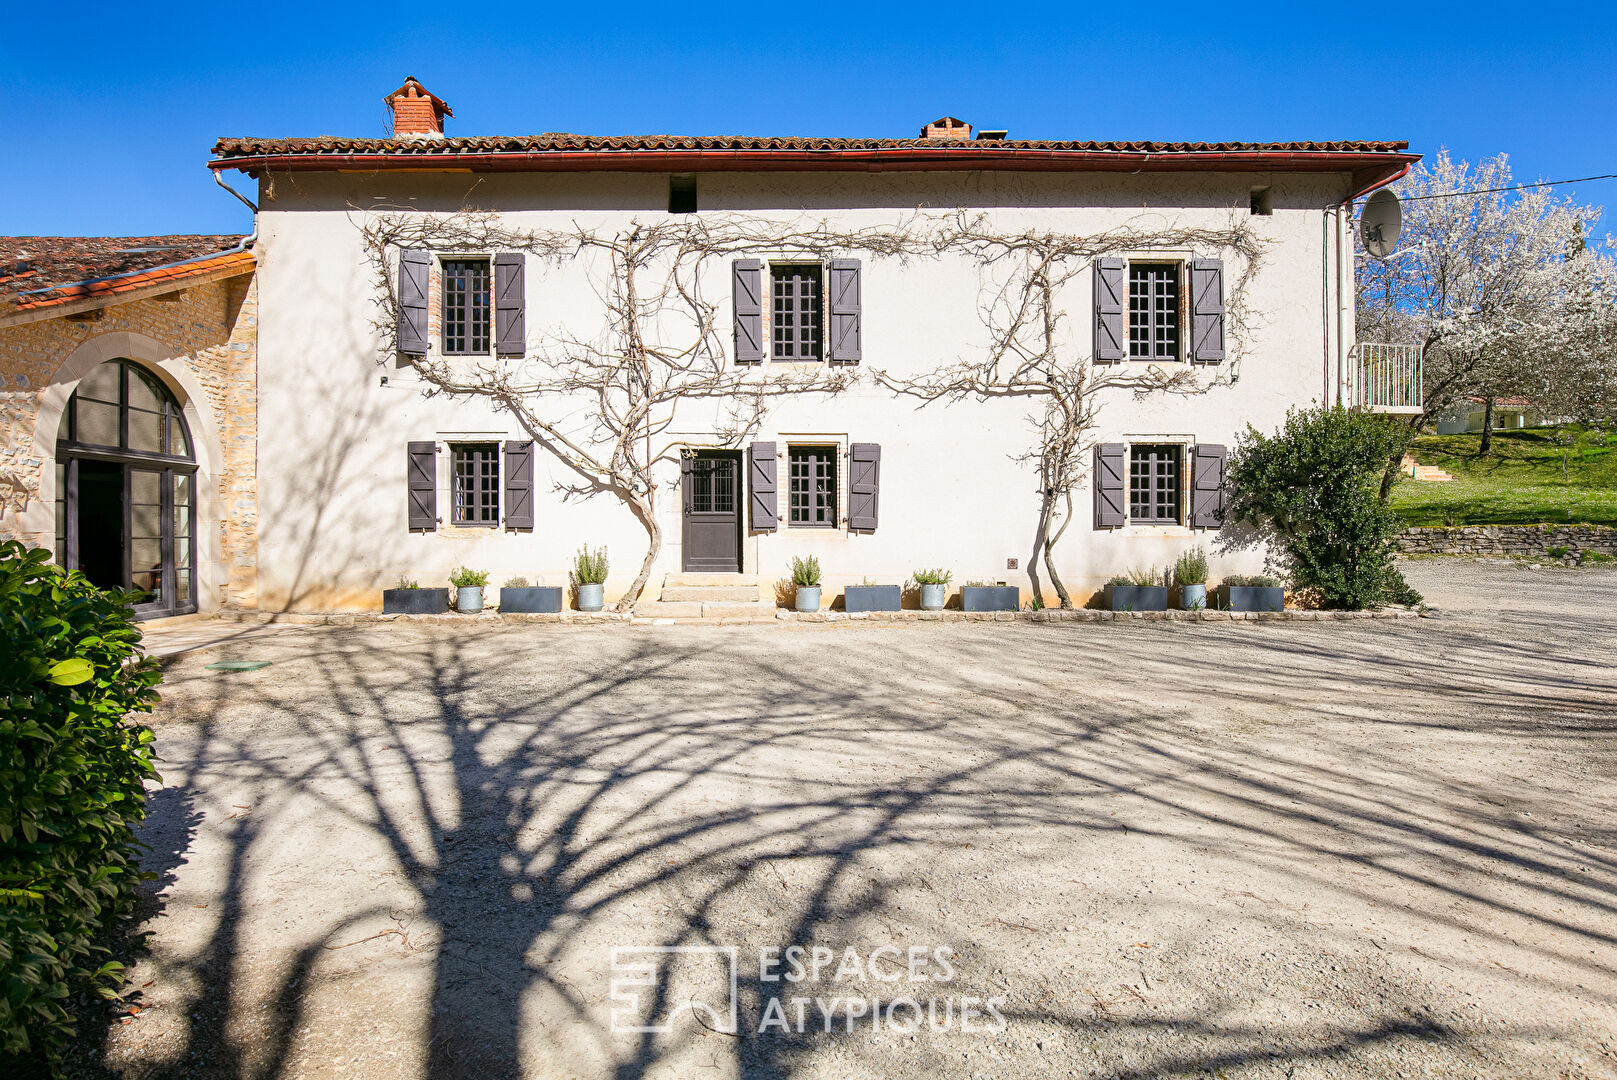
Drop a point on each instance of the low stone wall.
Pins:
(1529, 540)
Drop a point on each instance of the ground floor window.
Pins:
(812, 487)
(476, 479)
(1155, 471)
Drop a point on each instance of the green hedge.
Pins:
(71, 770)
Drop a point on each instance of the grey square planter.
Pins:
(1137, 597)
(531, 599)
(871, 598)
(1255, 598)
(415, 601)
(989, 598)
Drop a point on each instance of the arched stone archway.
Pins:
(177, 377)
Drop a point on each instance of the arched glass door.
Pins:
(126, 489)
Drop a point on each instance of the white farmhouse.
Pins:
(848, 336)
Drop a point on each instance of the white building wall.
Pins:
(334, 420)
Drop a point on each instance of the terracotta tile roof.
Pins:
(226, 149)
(47, 271)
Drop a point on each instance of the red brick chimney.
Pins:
(416, 112)
(946, 127)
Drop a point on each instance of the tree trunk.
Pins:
(646, 512)
(1486, 445)
(1049, 558)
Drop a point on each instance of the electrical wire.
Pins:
(1513, 187)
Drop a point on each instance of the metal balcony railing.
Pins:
(1387, 378)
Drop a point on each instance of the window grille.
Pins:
(466, 306)
(713, 485)
(1154, 311)
(1154, 481)
(812, 487)
(795, 319)
(477, 484)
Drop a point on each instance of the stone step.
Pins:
(664, 609)
(707, 593)
(709, 579)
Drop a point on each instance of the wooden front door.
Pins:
(711, 488)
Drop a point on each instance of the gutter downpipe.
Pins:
(251, 238)
(1344, 270)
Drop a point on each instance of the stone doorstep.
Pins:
(763, 614)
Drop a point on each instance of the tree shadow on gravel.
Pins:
(439, 835)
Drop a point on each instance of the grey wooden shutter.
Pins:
(1207, 310)
(845, 311)
(519, 485)
(864, 485)
(423, 484)
(510, 304)
(1207, 486)
(412, 329)
(746, 290)
(1110, 342)
(763, 500)
(1111, 485)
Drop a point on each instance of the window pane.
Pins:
(146, 563)
(145, 519)
(145, 392)
(146, 430)
(182, 587)
(101, 383)
(61, 513)
(95, 423)
(145, 486)
(179, 444)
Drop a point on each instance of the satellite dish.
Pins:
(1380, 222)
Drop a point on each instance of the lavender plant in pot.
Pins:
(589, 577)
(468, 585)
(1190, 574)
(806, 576)
(934, 586)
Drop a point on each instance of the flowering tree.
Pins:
(1498, 287)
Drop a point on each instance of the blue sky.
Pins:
(109, 112)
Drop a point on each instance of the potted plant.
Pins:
(1190, 574)
(409, 598)
(1138, 590)
(589, 575)
(934, 585)
(989, 596)
(517, 595)
(868, 596)
(1254, 592)
(806, 576)
(468, 585)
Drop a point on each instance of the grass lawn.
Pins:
(1519, 483)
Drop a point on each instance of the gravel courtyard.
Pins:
(1159, 849)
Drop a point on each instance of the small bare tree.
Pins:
(605, 404)
(1030, 353)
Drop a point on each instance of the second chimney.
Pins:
(947, 127)
(416, 112)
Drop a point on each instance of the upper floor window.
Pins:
(467, 306)
(1153, 311)
(796, 320)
